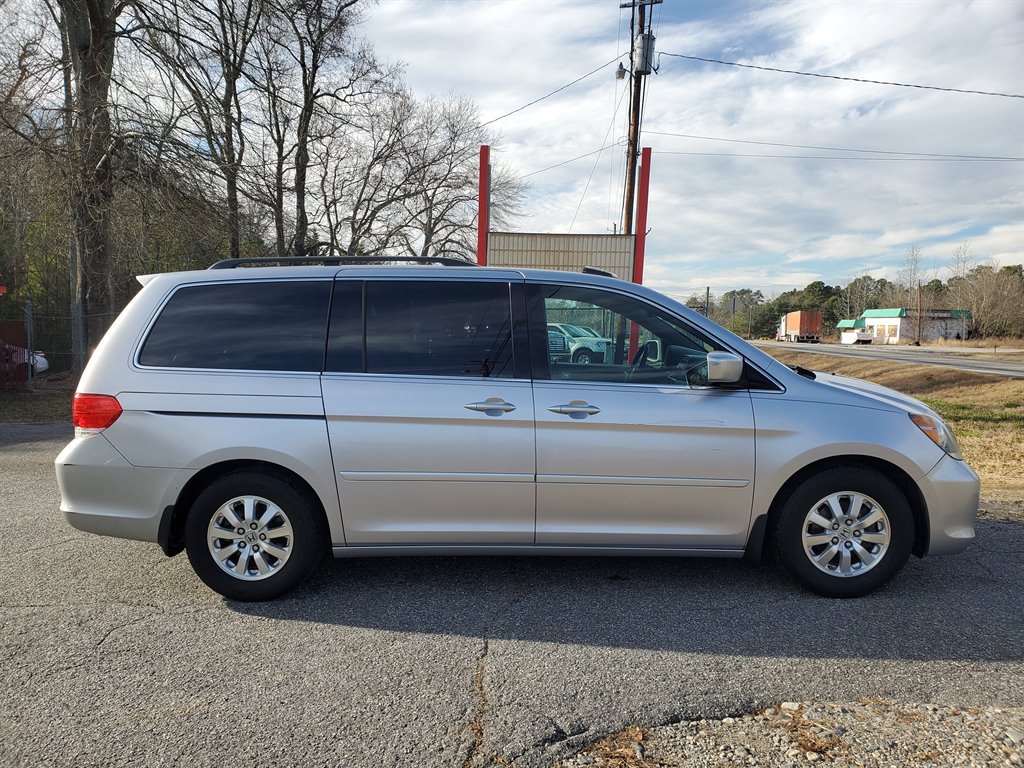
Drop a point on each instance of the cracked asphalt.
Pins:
(112, 654)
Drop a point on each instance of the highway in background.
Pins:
(960, 359)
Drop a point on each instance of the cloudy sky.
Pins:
(725, 213)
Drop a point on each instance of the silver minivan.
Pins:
(259, 417)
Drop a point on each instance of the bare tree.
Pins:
(276, 152)
(206, 45)
(901, 292)
(963, 262)
(442, 215)
(403, 179)
(992, 294)
(310, 71)
(319, 36)
(223, 125)
(372, 174)
(89, 36)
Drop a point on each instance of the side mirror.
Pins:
(653, 351)
(724, 368)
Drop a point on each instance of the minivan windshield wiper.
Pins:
(804, 372)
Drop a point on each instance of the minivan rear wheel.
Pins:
(252, 536)
(845, 532)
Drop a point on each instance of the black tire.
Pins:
(583, 357)
(299, 552)
(890, 538)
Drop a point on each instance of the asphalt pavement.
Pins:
(113, 654)
(960, 359)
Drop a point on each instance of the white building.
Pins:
(895, 325)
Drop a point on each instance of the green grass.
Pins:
(958, 412)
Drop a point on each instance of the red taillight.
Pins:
(95, 411)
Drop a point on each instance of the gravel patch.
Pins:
(1002, 506)
(869, 733)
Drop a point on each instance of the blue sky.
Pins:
(720, 217)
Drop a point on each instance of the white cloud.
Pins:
(733, 222)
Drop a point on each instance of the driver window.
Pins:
(598, 335)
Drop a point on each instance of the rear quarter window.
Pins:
(264, 326)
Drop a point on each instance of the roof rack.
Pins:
(335, 261)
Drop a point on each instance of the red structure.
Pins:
(632, 254)
(14, 355)
(484, 218)
(641, 215)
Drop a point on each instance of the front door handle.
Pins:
(492, 406)
(576, 408)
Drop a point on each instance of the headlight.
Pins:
(939, 433)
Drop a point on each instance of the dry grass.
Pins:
(625, 749)
(999, 348)
(812, 735)
(997, 343)
(38, 406)
(986, 412)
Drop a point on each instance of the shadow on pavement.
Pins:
(965, 606)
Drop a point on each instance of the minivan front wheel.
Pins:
(845, 532)
(252, 536)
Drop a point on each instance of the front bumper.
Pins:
(951, 492)
(102, 493)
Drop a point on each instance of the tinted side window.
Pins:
(345, 341)
(439, 328)
(265, 326)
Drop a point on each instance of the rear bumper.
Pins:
(102, 493)
(951, 492)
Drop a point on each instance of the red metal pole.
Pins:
(641, 240)
(641, 215)
(484, 216)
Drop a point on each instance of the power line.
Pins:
(557, 90)
(848, 157)
(837, 77)
(572, 160)
(597, 160)
(834, 149)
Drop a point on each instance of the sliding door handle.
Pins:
(492, 406)
(576, 408)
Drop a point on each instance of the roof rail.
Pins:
(334, 261)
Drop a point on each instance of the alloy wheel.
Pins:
(846, 534)
(250, 538)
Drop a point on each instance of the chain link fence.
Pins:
(15, 372)
(43, 345)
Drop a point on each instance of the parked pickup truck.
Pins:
(585, 344)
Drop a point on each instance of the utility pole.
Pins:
(918, 343)
(640, 59)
